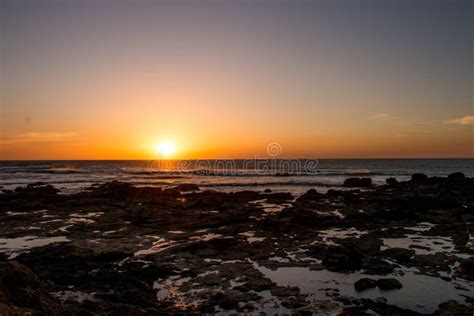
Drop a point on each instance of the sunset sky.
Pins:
(222, 79)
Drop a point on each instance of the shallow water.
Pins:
(14, 246)
(434, 290)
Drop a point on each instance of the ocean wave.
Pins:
(242, 184)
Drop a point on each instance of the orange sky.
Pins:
(223, 80)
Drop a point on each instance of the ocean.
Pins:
(279, 175)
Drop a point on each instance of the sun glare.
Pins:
(166, 148)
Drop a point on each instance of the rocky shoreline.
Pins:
(404, 248)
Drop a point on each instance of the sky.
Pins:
(223, 79)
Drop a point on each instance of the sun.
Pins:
(166, 148)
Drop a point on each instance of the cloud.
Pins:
(378, 116)
(466, 120)
(37, 137)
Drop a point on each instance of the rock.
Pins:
(281, 291)
(389, 284)
(225, 301)
(342, 259)
(456, 176)
(311, 195)
(453, 308)
(382, 308)
(401, 255)
(419, 178)
(357, 182)
(187, 187)
(279, 197)
(38, 190)
(267, 191)
(364, 284)
(37, 184)
(22, 294)
(114, 189)
(391, 181)
(14, 274)
(467, 268)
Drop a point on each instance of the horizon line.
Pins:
(302, 158)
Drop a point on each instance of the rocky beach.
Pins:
(402, 248)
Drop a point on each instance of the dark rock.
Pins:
(391, 181)
(357, 182)
(419, 178)
(354, 311)
(467, 268)
(225, 301)
(310, 195)
(281, 291)
(114, 189)
(451, 308)
(456, 176)
(279, 197)
(401, 255)
(342, 259)
(38, 190)
(36, 184)
(364, 284)
(187, 187)
(14, 274)
(22, 294)
(267, 191)
(382, 308)
(389, 284)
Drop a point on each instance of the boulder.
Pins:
(391, 181)
(187, 187)
(38, 190)
(456, 176)
(364, 284)
(21, 293)
(114, 189)
(453, 308)
(389, 284)
(467, 268)
(311, 195)
(419, 178)
(401, 255)
(357, 183)
(342, 259)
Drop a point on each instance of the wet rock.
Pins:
(36, 184)
(38, 190)
(187, 187)
(419, 178)
(456, 176)
(225, 301)
(279, 197)
(401, 255)
(285, 291)
(453, 308)
(389, 284)
(382, 308)
(354, 311)
(391, 181)
(357, 182)
(342, 259)
(466, 268)
(310, 195)
(21, 292)
(113, 189)
(364, 284)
